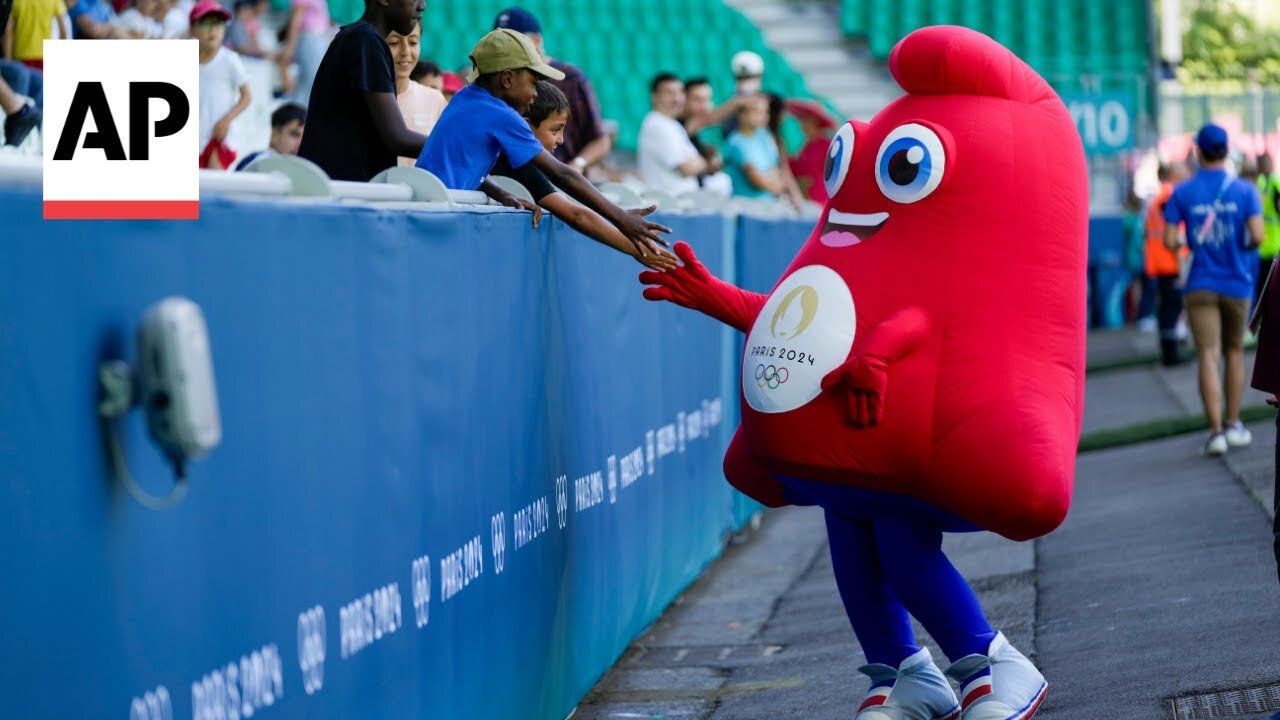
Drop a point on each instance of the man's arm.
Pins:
(693, 167)
(646, 236)
(390, 125)
(1257, 230)
(595, 151)
(717, 116)
(6, 45)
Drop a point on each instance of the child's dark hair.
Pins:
(423, 69)
(548, 102)
(287, 113)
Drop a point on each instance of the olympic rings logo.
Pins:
(770, 376)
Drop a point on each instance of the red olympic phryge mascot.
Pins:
(919, 368)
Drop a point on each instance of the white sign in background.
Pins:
(171, 172)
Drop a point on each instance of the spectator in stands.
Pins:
(748, 78)
(777, 113)
(1269, 189)
(701, 115)
(30, 24)
(354, 126)
(287, 125)
(173, 19)
(585, 141)
(548, 116)
(246, 27)
(450, 84)
(666, 157)
(224, 85)
(484, 120)
(809, 164)
(1223, 217)
(138, 20)
(420, 106)
(1164, 265)
(752, 159)
(92, 19)
(306, 37)
(427, 73)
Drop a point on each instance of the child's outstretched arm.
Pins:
(587, 222)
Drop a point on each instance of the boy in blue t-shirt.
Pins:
(1223, 219)
(483, 120)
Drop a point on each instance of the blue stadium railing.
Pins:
(463, 463)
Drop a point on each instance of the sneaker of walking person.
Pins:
(1216, 444)
(1001, 685)
(1238, 435)
(915, 690)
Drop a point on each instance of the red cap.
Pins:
(208, 7)
(812, 110)
(452, 82)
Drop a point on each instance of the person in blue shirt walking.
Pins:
(1223, 218)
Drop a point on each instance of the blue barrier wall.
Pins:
(463, 463)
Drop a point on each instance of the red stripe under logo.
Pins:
(121, 209)
(873, 701)
(976, 693)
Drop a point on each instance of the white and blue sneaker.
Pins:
(1001, 685)
(916, 690)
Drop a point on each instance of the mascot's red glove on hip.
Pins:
(919, 368)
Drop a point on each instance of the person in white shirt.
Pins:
(419, 105)
(224, 84)
(139, 22)
(666, 158)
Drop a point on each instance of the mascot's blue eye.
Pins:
(910, 163)
(839, 155)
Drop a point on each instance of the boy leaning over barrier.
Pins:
(547, 116)
(483, 120)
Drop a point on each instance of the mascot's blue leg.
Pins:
(928, 585)
(879, 620)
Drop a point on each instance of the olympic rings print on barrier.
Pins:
(771, 376)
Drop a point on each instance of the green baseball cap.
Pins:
(505, 49)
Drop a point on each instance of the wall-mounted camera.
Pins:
(176, 389)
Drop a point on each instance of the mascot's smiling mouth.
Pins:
(845, 229)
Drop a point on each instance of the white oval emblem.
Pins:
(804, 332)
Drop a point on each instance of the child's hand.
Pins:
(521, 204)
(659, 260)
(220, 129)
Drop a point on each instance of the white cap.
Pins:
(747, 64)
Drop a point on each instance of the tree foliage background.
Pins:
(1223, 46)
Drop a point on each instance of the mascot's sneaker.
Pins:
(1012, 690)
(919, 691)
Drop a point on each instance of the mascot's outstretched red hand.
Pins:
(919, 368)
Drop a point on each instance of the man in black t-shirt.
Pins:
(354, 127)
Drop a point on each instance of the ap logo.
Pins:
(120, 131)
